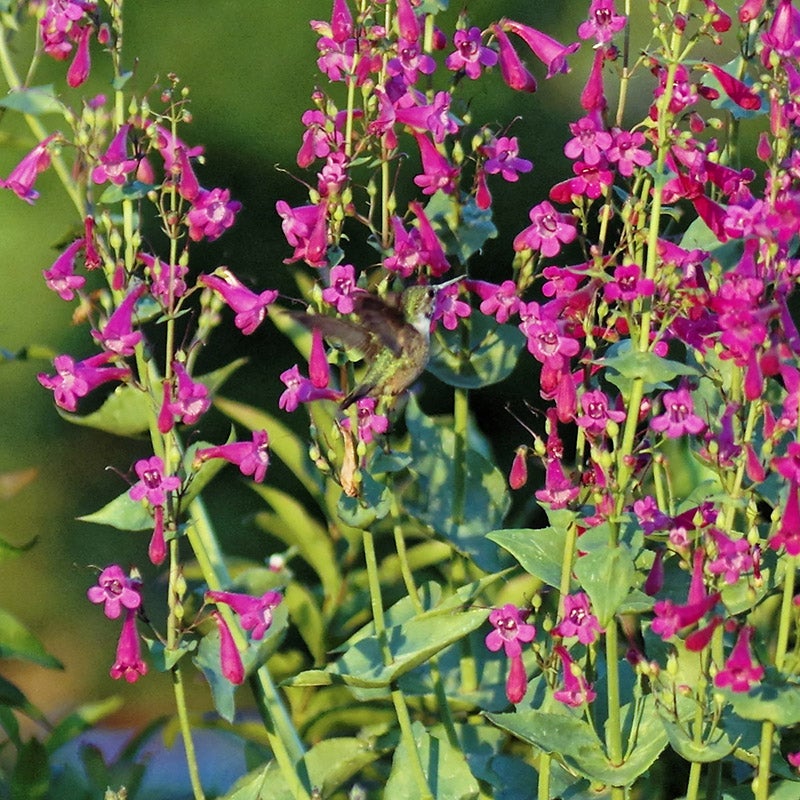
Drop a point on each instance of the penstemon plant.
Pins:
(411, 641)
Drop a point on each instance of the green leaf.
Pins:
(626, 364)
(296, 527)
(478, 353)
(462, 228)
(328, 765)
(31, 777)
(410, 645)
(778, 703)
(446, 771)
(16, 641)
(540, 552)
(681, 739)
(125, 412)
(306, 615)
(122, 513)
(35, 101)
(207, 660)
(213, 381)
(575, 743)
(373, 502)
(432, 495)
(607, 576)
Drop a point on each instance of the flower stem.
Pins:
(186, 731)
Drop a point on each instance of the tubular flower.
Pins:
(512, 69)
(741, 670)
(21, 179)
(551, 53)
(212, 213)
(470, 54)
(128, 663)
(229, 656)
(255, 613)
(115, 590)
(75, 379)
(251, 457)
(250, 308)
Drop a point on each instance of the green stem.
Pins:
(693, 786)
(544, 765)
(186, 730)
(398, 699)
(460, 422)
(761, 782)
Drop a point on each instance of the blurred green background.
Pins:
(251, 68)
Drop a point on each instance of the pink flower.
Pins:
(116, 591)
(369, 423)
(115, 166)
(153, 485)
(576, 691)
(432, 252)
(212, 213)
(551, 53)
(502, 155)
(255, 613)
(678, 417)
(190, 403)
(437, 172)
(300, 389)
(596, 413)
(79, 69)
(510, 629)
(783, 35)
(251, 457)
(306, 229)
(603, 22)
(230, 658)
(501, 301)
(470, 55)
(578, 620)
(549, 231)
(517, 680)
(741, 670)
(128, 663)
(319, 370)
(738, 91)
(21, 179)
(250, 308)
(449, 308)
(628, 284)
(511, 67)
(61, 277)
(518, 475)
(75, 379)
(118, 335)
(589, 141)
(61, 25)
(626, 151)
(341, 289)
(546, 338)
(788, 533)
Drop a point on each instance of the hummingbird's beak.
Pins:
(439, 286)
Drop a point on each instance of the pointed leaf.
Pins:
(540, 552)
(16, 641)
(606, 575)
(208, 661)
(35, 100)
(778, 703)
(125, 412)
(446, 771)
(122, 513)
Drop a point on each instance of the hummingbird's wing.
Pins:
(383, 319)
(340, 331)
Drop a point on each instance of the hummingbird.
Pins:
(392, 336)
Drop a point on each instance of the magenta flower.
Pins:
(410, 60)
(559, 490)
(255, 613)
(512, 69)
(250, 308)
(61, 26)
(369, 423)
(593, 95)
(434, 117)
(437, 172)
(432, 252)
(794, 759)
(407, 252)
(733, 558)
(118, 336)
(549, 231)
(783, 35)
(306, 229)
(128, 663)
(789, 465)
(115, 166)
(578, 620)
(449, 308)
(300, 389)
(546, 340)
(737, 90)
(212, 213)
(319, 370)
(75, 379)
(470, 54)
(510, 629)
(678, 417)
(750, 9)
(116, 591)
(190, 403)
(551, 53)
(576, 691)
(61, 277)
(21, 179)
(79, 69)
(172, 149)
(166, 281)
(628, 284)
(788, 533)
(596, 413)
(603, 22)
(741, 670)
(518, 474)
(502, 155)
(499, 301)
(251, 457)
(342, 288)
(153, 485)
(589, 141)
(230, 658)
(671, 618)
(517, 680)
(626, 151)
